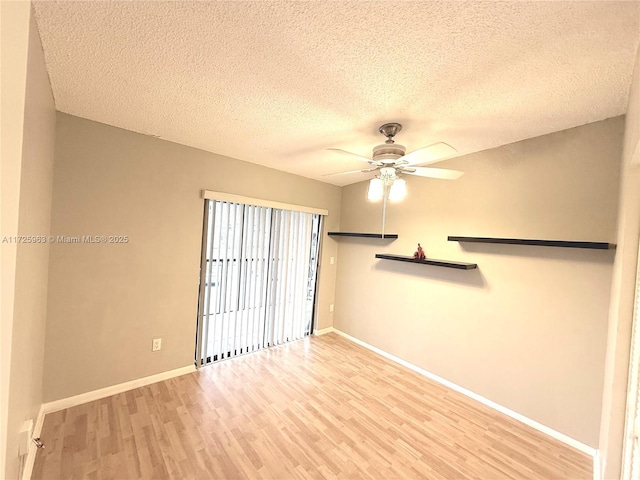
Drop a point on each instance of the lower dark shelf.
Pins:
(539, 243)
(428, 261)
(362, 235)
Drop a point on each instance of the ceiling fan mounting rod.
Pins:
(390, 130)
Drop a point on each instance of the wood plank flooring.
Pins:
(322, 407)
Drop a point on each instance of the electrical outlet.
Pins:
(331, 308)
(332, 260)
(157, 344)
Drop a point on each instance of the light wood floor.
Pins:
(322, 407)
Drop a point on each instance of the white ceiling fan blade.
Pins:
(430, 154)
(350, 171)
(355, 156)
(441, 173)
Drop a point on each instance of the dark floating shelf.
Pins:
(363, 235)
(428, 261)
(539, 243)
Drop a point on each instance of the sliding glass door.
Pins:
(257, 280)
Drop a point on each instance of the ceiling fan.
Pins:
(391, 159)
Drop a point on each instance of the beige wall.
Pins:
(29, 118)
(527, 329)
(107, 302)
(622, 291)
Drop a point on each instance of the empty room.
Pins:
(310, 239)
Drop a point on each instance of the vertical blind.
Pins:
(258, 278)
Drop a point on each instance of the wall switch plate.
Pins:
(157, 344)
(332, 260)
(331, 308)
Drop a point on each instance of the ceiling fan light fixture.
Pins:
(398, 190)
(376, 190)
(388, 175)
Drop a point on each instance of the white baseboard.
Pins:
(114, 389)
(485, 401)
(323, 331)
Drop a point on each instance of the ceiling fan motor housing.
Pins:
(388, 153)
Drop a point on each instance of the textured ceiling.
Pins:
(278, 82)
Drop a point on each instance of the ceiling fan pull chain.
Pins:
(384, 206)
